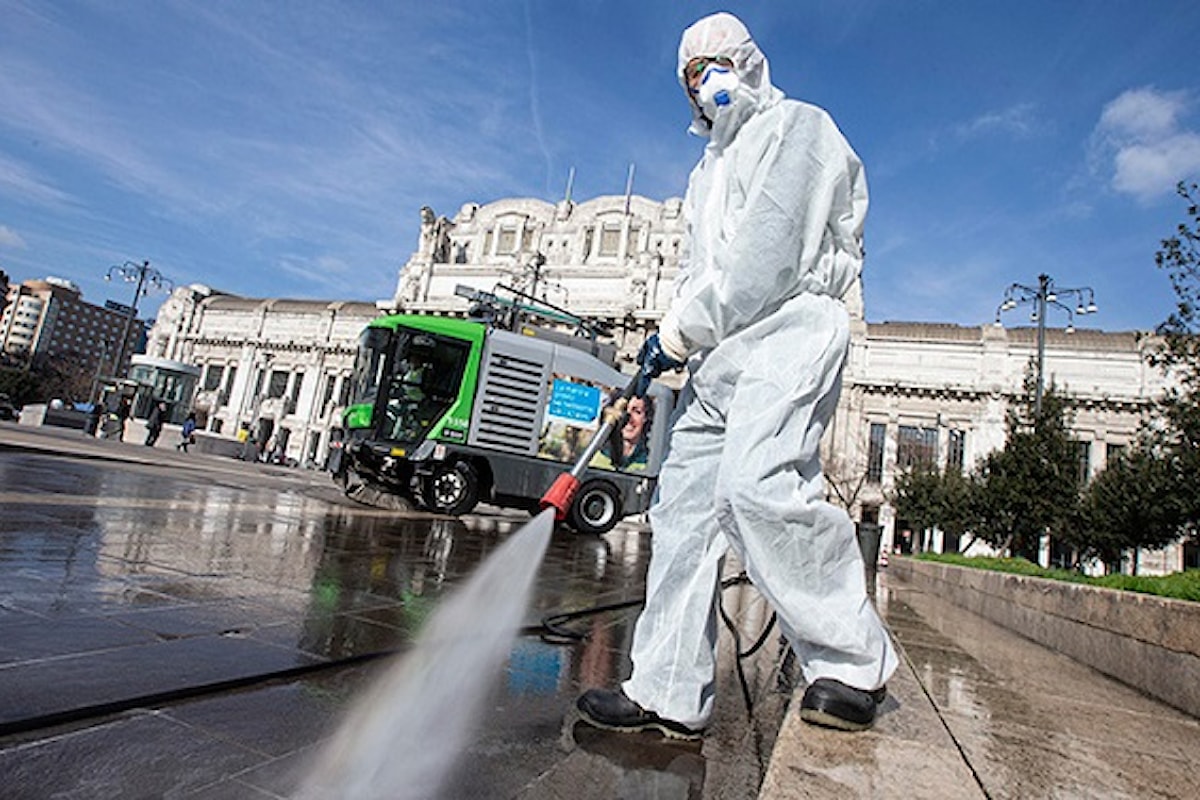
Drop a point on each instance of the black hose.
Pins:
(170, 696)
(552, 630)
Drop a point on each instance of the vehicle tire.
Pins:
(596, 508)
(452, 489)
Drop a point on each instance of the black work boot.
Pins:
(832, 704)
(613, 711)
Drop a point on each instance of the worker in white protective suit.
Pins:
(776, 208)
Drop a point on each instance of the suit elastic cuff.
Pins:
(672, 340)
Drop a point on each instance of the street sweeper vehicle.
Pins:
(446, 412)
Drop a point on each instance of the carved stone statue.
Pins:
(636, 279)
(441, 240)
(411, 281)
(428, 232)
(434, 247)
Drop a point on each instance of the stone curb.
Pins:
(907, 754)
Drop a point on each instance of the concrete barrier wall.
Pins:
(42, 414)
(1148, 642)
(135, 430)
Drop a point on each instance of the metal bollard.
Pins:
(869, 534)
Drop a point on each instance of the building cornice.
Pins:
(909, 390)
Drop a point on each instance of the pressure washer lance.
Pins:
(562, 491)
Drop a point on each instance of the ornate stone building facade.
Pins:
(923, 392)
(277, 368)
(611, 258)
(912, 391)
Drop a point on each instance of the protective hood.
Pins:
(723, 34)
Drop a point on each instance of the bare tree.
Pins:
(845, 478)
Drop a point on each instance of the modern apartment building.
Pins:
(49, 318)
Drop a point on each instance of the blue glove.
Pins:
(654, 361)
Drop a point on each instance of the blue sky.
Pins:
(285, 148)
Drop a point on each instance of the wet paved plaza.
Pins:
(180, 625)
(177, 625)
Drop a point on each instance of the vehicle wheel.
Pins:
(452, 489)
(596, 509)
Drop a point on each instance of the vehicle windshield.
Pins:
(425, 373)
(369, 365)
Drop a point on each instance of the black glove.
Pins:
(654, 361)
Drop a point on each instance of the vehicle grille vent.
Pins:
(508, 415)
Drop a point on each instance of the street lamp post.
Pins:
(146, 278)
(1042, 297)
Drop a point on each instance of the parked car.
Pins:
(7, 409)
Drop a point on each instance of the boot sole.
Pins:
(815, 716)
(666, 731)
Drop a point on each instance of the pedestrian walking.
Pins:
(92, 427)
(187, 433)
(154, 422)
(121, 416)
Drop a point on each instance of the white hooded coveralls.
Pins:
(776, 208)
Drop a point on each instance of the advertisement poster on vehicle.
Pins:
(573, 415)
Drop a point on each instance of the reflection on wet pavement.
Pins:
(121, 581)
(1033, 723)
(642, 765)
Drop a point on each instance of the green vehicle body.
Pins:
(448, 412)
(359, 416)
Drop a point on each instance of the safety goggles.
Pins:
(694, 70)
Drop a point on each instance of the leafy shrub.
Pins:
(1178, 585)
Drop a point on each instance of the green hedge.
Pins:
(1178, 585)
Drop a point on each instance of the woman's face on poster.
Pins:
(635, 422)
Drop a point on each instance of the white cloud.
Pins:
(1149, 170)
(326, 272)
(10, 238)
(1143, 114)
(70, 120)
(1142, 139)
(1015, 120)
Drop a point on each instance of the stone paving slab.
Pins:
(147, 754)
(908, 754)
(44, 688)
(978, 711)
(36, 639)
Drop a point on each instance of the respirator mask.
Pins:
(717, 91)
